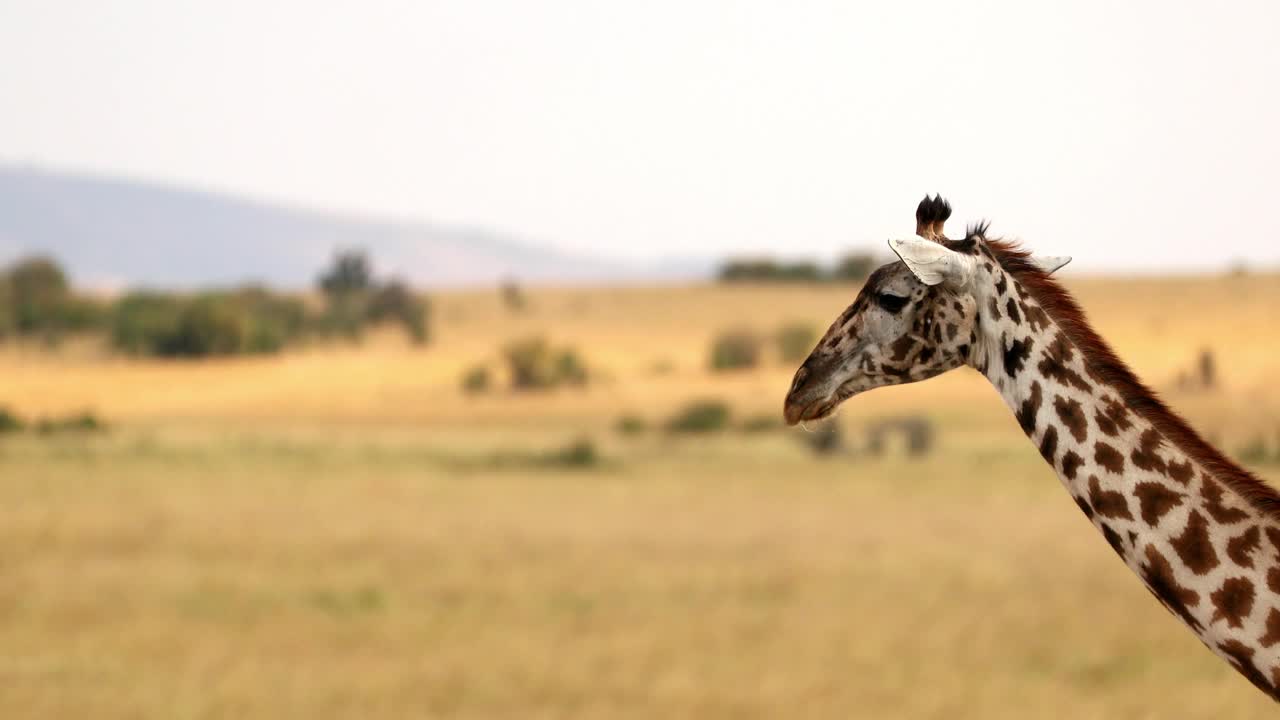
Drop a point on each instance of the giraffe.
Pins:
(1202, 533)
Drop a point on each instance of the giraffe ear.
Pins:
(1050, 264)
(933, 263)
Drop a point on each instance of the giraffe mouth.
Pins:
(820, 408)
(816, 410)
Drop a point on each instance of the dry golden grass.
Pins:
(326, 534)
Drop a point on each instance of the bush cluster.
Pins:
(11, 422)
(700, 416)
(246, 321)
(534, 364)
(354, 299)
(852, 267)
(736, 350)
(742, 349)
(36, 300)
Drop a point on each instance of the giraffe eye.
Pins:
(891, 303)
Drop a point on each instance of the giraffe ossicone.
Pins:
(1202, 533)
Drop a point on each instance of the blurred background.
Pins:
(427, 359)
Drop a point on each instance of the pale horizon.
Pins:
(1136, 139)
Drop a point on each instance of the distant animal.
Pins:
(1202, 533)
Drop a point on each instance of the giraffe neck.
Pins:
(1196, 535)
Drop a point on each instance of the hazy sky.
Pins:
(1129, 134)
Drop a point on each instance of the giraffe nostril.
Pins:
(801, 375)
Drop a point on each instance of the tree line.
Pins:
(37, 301)
(851, 267)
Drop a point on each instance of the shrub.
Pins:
(795, 341)
(37, 290)
(761, 423)
(735, 350)
(569, 368)
(512, 295)
(274, 321)
(476, 380)
(345, 316)
(208, 325)
(10, 422)
(535, 365)
(1207, 370)
(701, 416)
(768, 270)
(396, 302)
(143, 322)
(81, 422)
(349, 273)
(250, 320)
(530, 363)
(580, 453)
(631, 425)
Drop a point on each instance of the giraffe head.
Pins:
(914, 319)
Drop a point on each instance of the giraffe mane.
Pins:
(1107, 367)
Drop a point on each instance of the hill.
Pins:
(113, 233)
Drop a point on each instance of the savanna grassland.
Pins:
(342, 532)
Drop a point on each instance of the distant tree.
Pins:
(394, 301)
(534, 364)
(349, 273)
(143, 322)
(768, 270)
(476, 380)
(531, 363)
(512, 295)
(37, 292)
(251, 320)
(1208, 370)
(209, 325)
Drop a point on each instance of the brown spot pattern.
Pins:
(1212, 494)
(1108, 503)
(1109, 458)
(1241, 656)
(1158, 574)
(1072, 416)
(1273, 629)
(1071, 463)
(1273, 534)
(1113, 539)
(1234, 601)
(902, 347)
(1180, 471)
(1049, 444)
(1240, 548)
(1112, 418)
(1154, 500)
(1012, 308)
(1036, 317)
(1083, 505)
(1054, 364)
(1144, 456)
(1030, 408)
(1194, 546)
